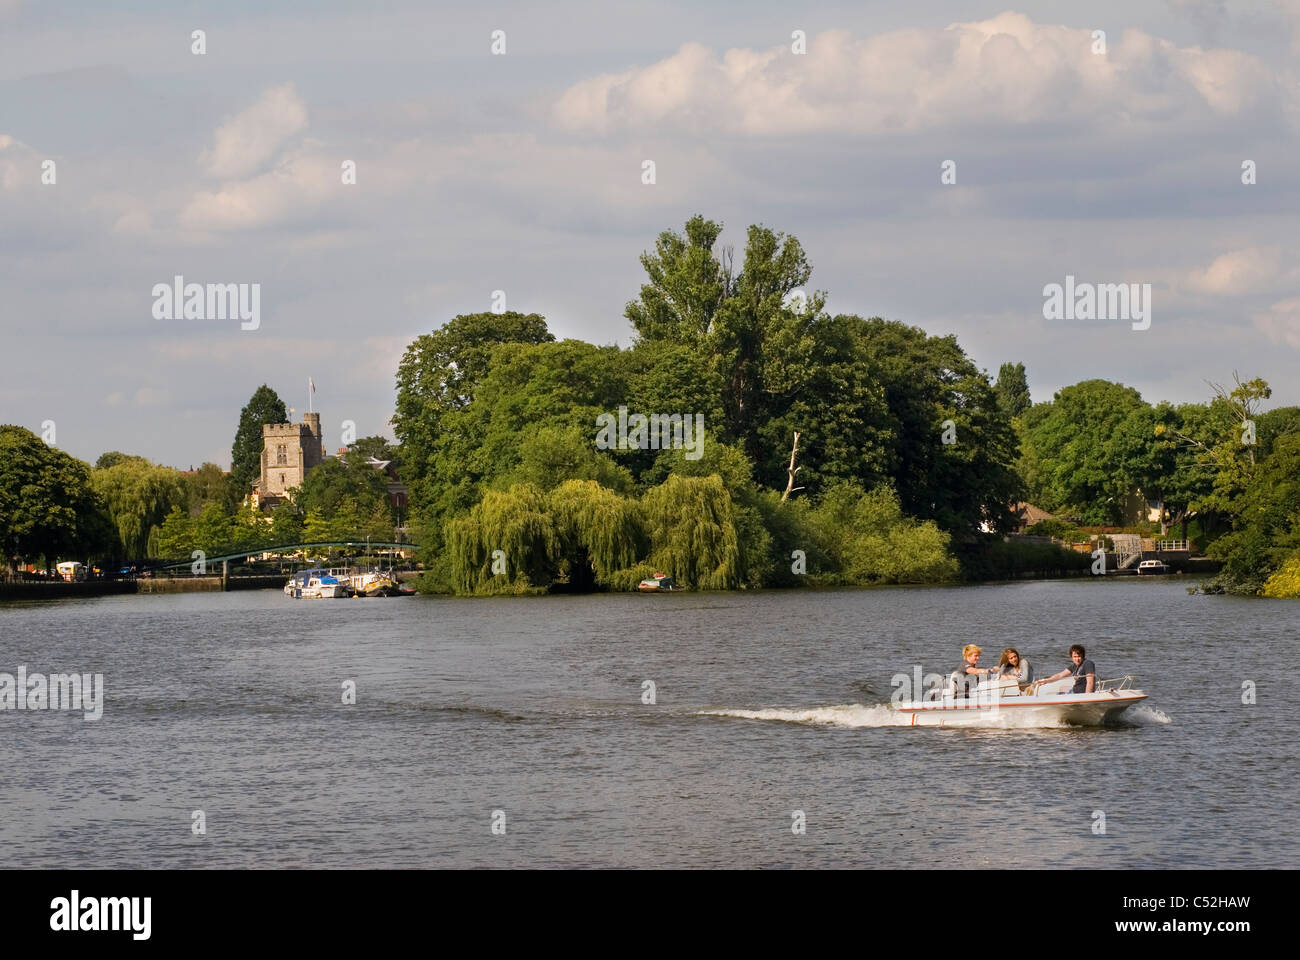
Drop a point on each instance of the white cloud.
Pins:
(247, 140)
(1004, 70)
(298, 184)
(19, 164)
(1239, 271)
(1281, 324)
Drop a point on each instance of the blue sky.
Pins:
(522, 173)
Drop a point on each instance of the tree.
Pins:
(48, 506)
(505, 544)
(755, 336)
(1266, 522)
(1012, 389)
(317, 528)
(439, 374)
(338, 481)
(869, 540)
(597, 532)
(949, 447)
(214, 530)
(1092, 444)
(377, 447)
(208, 482)
(111, 459)
(692, 536)
(552, 455)
(286, 523)
(138, 495)
(755, 560)
(176, 535)
(265, 406)
(765, 359)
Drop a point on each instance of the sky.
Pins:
(1112, 159)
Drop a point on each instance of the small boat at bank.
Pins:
(660, 583)
(1042, 704)
(316, 584)
(1152, 567)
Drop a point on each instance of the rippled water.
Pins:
(231, 704)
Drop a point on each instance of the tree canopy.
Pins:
(265, 406)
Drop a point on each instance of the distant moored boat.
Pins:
(660, 583)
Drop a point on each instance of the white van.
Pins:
(71, 570)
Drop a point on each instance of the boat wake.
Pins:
(844, 715)
(883, 715)
(1142, 715)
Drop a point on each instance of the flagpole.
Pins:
(309, 397)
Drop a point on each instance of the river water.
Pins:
(527, 715)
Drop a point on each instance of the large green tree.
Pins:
(1092, 446)
(48, 506)
(949, 447)
(345, 486)
(265, 406)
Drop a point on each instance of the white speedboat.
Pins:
(1044, 704)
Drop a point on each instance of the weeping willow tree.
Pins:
(597, 531)
(692, 536)
(506, 543)
(139, 495)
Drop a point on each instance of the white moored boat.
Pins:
(1042, 704)
(315, 585)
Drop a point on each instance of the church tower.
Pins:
(289, 452)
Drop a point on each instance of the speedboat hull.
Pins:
(1079, 709)
(1050, 706)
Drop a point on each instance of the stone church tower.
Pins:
(289, 451)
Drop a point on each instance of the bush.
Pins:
(1285, 582)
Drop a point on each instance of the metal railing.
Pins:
(1117, 684)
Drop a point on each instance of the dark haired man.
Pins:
(1084, 671)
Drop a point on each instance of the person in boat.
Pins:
(970, 671)
(1083, 671)
(1012, 664)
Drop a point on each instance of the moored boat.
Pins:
(316, 584)
(660, 583)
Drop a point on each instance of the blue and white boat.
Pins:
(315, 584)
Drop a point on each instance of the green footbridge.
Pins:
(282, 548)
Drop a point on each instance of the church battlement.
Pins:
(285, 429)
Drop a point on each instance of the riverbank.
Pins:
(58, 589)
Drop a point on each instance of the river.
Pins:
(514, 732)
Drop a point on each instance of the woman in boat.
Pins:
(1013, 664)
